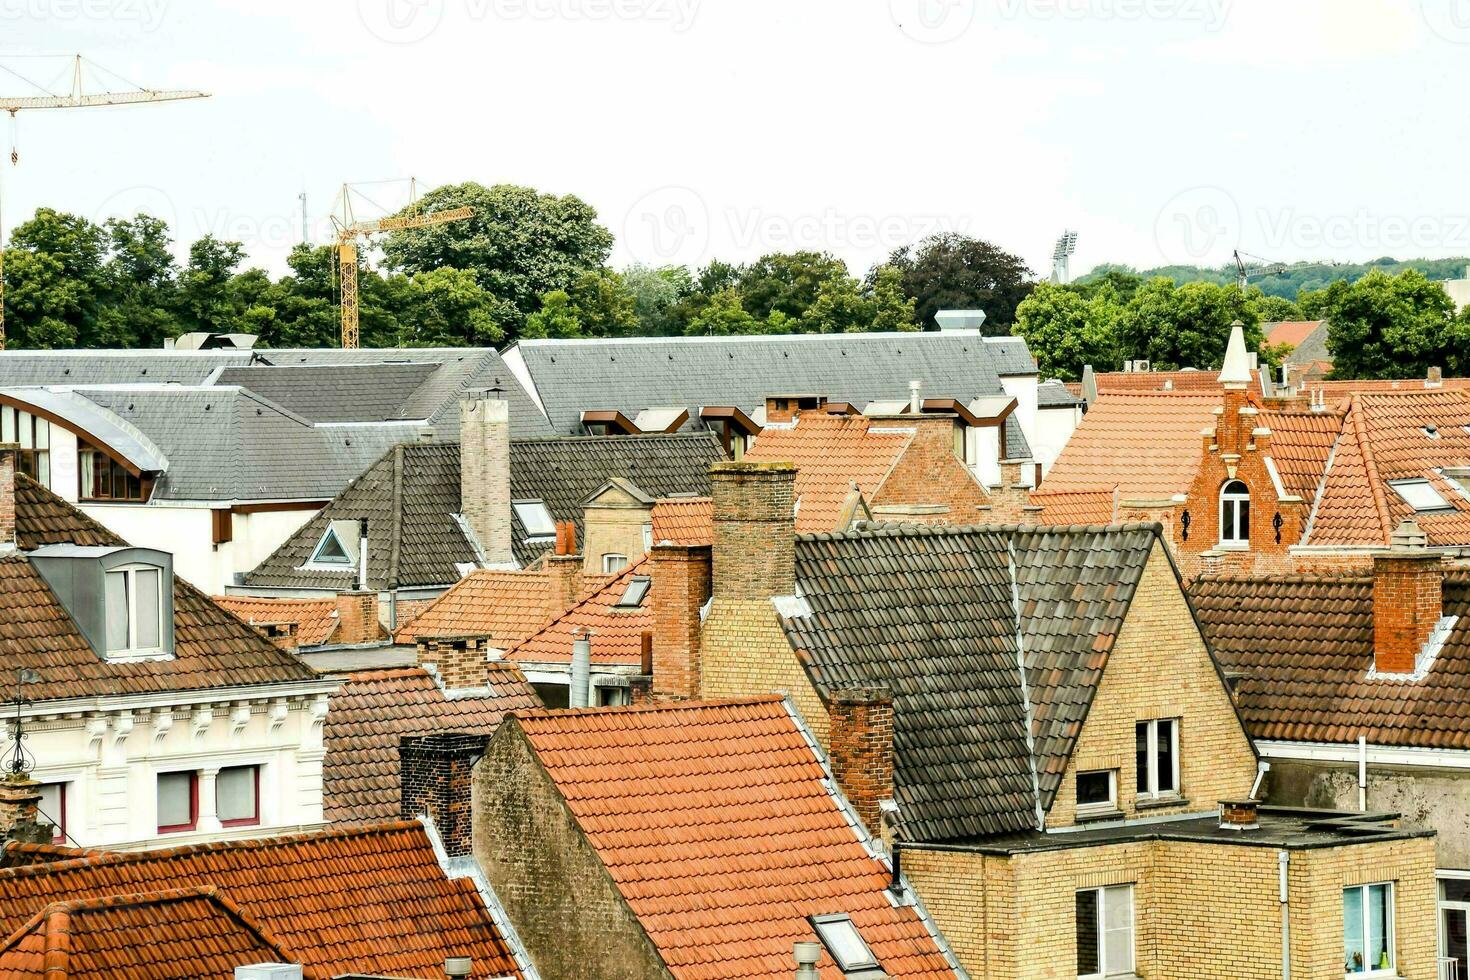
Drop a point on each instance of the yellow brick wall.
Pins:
(1159, 668)
(613, 525)
(745, 653)
(1200, 910)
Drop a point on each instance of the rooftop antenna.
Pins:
(1061, 258)
(69, 91)
(20, 762)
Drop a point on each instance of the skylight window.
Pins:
(845, 944)
(635, 593)
(535, 518)
(1420, 495)
(330, 550)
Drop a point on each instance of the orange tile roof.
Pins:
(1076, 507)
(370, 899)
(1146, 444)
(1301, 442)
(315, 619)
(373, 709)
(1291, 332)
(1366, 386)
(1123, 381)
(684, 520)
(831, 453)
(1383, 439)
(204, 935)
(617, 634)
(506, 606)
(714, 821)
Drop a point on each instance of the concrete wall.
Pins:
(1437, 798)
(1054, 426)
(110, 760)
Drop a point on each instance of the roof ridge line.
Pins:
(541, 714)
(1030, 715)
(1380, 502)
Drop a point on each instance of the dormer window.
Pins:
(337, 550)
(330, 550)
(134, 611)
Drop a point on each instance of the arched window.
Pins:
(1235, 513)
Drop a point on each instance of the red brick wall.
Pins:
(410, 609)
(435, 777)
(860, 749)
(680, 585)
(1407, 603)
(930, 473)
(357, 617)
(7, 494)
(755, 529)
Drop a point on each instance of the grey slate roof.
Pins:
(1011, 356)
(113, 367)
(412, 493)
(946, 618)
(1054, 394)
(337, 393)
(631, 374)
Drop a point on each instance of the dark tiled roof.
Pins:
(945, 644)
(335, 393)
(212, 647)
(372, 710)
(629, 375)
(721, 834)
(419, 505)
(371, 900)
(1010, 355)
(1301, 649)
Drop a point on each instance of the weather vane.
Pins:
(20, 762)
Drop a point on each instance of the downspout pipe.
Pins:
(1283, 863)
(1363, 773)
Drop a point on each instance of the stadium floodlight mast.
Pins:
(1061, 258)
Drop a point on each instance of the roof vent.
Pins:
(1239, 815)
(960, 319)
(458, 966)
(806, 955)
(268, 971)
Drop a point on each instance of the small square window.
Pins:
(844, 943)
(1097, 792)
(1420, 495)
(535, 518)
(635, 593)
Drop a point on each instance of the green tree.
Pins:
(956, 272)
(138, 284)
(1391, 326)
(656, 296)
(447, 308)
(604, 304)
(1067, 330)
(204, 298)
(786, 282)
(1184, 326)
(723, 316)
(844, 306)
(519, 244)
(54, 275)
(557, 318)
(1276, 309)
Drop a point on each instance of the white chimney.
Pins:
(960, 319)
(268, 971)
(916, 400)
(580, 693)
(362, 555)
(484, 473)
(806, 955)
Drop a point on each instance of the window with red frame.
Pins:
(53, 810)
(237, 796)
(178, 801)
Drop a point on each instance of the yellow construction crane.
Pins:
(75, 96)
(349, 229)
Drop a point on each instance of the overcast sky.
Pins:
(1160, 130)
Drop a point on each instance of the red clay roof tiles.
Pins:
(684, 520)
(1146, 445)
(315, 619)
(372, 710)
(506, 606)
(617, 633)
(831, 454)
(714, 822)
(363, 900)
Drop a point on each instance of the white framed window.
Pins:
(845, 944)
(612, 563)
(237, 796)
(1367, 930)
(1104, 932)
(535, 518)
(330, 550)
(1235, 513)
(1420, 495)
(1097, 792)
(647, 537)
(53, 810)
(1157, 744)
(134, 609)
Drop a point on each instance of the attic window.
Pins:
(846, 945)
(634, 594)
(1420, 495)
(536, 519)
(134, 610)
(330, 550)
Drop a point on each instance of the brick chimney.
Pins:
(484, 473)
(435, 773)
(1407, 599)
(20, 815)
(565, 567)
(679, 585)
(861, 750)
(460, 660)
(357, 618)
(7, 495)
(755, 530)
(1009, 500)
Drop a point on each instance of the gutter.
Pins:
(1283, 863)
(1379, 755)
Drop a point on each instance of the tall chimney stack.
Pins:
(579, 695)
(484, 473)
(680, 586)
(755, 530)
(1407, 599)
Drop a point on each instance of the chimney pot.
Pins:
(580, 693)
(1239, 814)
(916, 399)
(456, 967)
(807, 955)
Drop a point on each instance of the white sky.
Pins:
(1161, 130)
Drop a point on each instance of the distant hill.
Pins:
(1299, 276)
